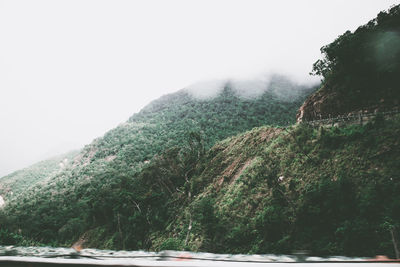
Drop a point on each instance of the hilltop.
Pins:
(87, 194)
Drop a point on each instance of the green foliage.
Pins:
(15, 239)
(363, 68)
(204, 214)
(335, 137)
(126, 185)
(171, 244)
(18, 182)
(8, 238)
(258, 192)
(164, 180)
(346, 204)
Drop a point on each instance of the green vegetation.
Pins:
(360, 70)
(16, 183)
(332, 191)
(187, 173)
(112, 197)
(269, 190)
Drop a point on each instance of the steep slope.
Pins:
(331, 191)
(326, 190)
(152, 183)
(96, 194)
(360, 70)
(164, 122)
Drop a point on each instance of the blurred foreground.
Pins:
(48, 256)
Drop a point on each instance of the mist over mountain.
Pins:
(89, 185)
(283, 87)
(221, 166)
(61, 90)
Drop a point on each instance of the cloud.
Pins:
(285, 87)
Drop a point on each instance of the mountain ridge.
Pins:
(83, 195)
(210, 175)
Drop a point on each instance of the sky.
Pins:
(72, 69)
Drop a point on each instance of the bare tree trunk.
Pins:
(190, 213)
(137, 206)
(396, 250)
(189, 229)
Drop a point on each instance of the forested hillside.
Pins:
(331, 191)
(16, 183)
(233, 174)
(360, 70)
(90, 197)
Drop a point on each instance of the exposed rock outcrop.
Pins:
(330, 102)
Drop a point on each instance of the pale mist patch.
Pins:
(285, 88)
(250, 88)
(281, 86)
(206, 89)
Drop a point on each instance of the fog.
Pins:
(250, 87)
(282, 85)
(71, 70)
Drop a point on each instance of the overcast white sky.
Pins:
(71, 70)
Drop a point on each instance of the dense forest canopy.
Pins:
(201, 174)
(16, 183)
(364, 66)
(101, 188)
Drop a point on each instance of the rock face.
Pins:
(319, 105)
(329, 102)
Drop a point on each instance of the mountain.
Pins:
(16, 183)
(360, 71)
(90, 196)
(330, 191)
(232, 173)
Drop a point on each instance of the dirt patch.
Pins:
(269, 134)
(231, 168)
(241, 170)
(81, 243)
(233, 143)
